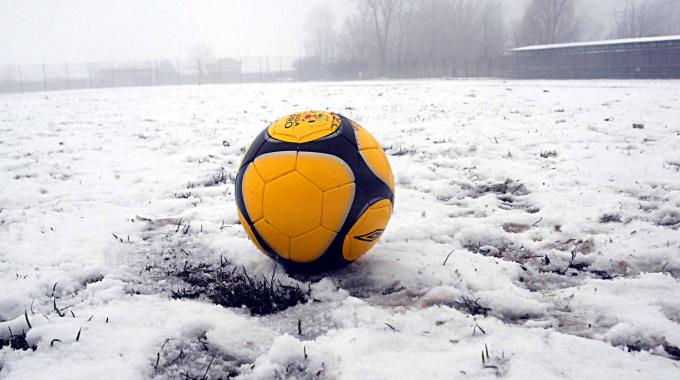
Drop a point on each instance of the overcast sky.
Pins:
(51, 31)
(35, 31)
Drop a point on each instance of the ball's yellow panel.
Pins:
(367, 230)
(273, 165)
(253, 191)
(302, 127)
(311, 245)
(249, 231)
(324, 170)
(377, 161)
(274, 238)
(365, 140)
(336, 205)
(292, 204)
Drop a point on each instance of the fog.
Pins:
(49, 45)
(36, 31)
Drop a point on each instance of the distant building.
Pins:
(649, 57)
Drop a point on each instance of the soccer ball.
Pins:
(314, 191)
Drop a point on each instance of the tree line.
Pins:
(391, 37)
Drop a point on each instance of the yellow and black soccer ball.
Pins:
(314, 191)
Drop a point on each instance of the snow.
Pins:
(575, 255)
(622, 41)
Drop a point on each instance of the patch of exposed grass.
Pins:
(505, 250)
(673, 351)
(400, 150)
(230, 286)
(508, 187)
(610, 218)
(16, 341)
(515, 228)
(471, 306)
(194, 359)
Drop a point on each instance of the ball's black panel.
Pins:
(369, 189)
(249, 157)
(349, 131)
(242, 207)
(254, 148)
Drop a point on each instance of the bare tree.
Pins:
(357, 37)
(398, 36)
(202, 51)
(465, 26)
(548, 22)
(492, 28)
(383, 13)
(638, 19)
(454, 29)
(321, 38)
(673, 18)
(404, 30)
(202, 55)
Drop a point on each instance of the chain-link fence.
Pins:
(647, 63)
(48, 77)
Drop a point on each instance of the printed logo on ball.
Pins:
(371, 236)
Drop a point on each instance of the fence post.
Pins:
(44, 78)
(68, 82)
(259, 67)
(219, 62)
(179, 73)
(21, 79)
(134, 73)
(300, 63)
(267, 66)
(113, 76)
(280, 70)
(89, 73)
(504, 63)
(154, 73)
(200, 72)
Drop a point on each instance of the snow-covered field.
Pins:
(536, 234)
